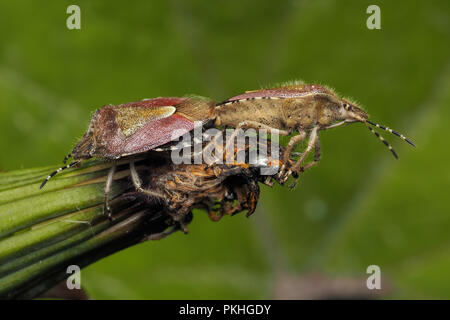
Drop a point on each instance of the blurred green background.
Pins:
(358, 207)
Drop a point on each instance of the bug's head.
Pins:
(352, 113)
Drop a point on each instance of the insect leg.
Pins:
(311, 143)
(255, 125)
(288, 152)
(138, 183)
(109, 180)
(292, 143)
(161, 235)
(210, 144)
(317, 154)
(58, 171)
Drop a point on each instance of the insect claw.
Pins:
(294, 183)
(184, 228)
(286, 176)
(161, 235)
(268, 181)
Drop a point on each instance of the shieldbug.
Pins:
(117, 131)
(306, 108)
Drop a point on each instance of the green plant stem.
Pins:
(42, 232)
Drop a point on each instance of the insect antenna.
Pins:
(58, 171)
(391, 131)
(382, 140)
(67, 158)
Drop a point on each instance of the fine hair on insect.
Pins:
(302, 109)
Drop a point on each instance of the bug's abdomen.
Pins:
(263, 110)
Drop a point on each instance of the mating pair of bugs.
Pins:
(137, 127)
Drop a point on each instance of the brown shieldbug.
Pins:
(305, 108)
(116, 131)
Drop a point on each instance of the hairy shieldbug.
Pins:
(116, 131)
(134, 128)
(306, 108)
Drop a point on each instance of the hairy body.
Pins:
(302, 108)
